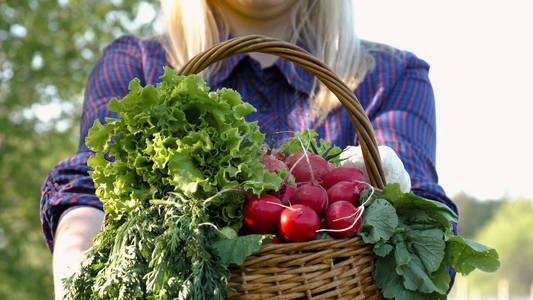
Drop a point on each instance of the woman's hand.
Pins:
(74, 234)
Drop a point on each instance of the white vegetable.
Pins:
(392, 165)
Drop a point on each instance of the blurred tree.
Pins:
(509, 232)
(473, 213)
(47, 49)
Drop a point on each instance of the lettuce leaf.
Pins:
(172, 147)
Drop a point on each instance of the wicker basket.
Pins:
(321, 269)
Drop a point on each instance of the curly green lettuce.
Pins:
(172, 147)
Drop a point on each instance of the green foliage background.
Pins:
(510, 232)
(47, 50)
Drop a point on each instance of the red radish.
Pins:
(304, 170)
(311, 195)
(341, 217)
(277, 240)
(272, 164)
(261, 214)
(286, 193)
(299, 223)
(345, 191)
(342, 174)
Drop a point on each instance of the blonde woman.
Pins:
(392, 86)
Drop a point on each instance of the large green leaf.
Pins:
(407, 203)
(379, 221)
(235, 251)
(468, 255)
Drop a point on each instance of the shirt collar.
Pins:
(295, 75)
(226, 67)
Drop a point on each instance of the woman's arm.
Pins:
(68, 184)
(405, 120)
(68, 232)
(74, 234)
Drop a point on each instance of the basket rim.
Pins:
(319, 243)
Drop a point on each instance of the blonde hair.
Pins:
(326, 27)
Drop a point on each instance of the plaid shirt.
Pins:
(397, 97)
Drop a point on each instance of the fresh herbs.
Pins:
(173, 147)
(414, 244)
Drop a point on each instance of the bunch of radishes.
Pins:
(323, 192)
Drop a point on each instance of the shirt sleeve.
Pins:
(68, 184)
(405, 121)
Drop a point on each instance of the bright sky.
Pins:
(481, 57)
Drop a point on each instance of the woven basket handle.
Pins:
(295, 54)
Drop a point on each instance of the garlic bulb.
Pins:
(393, 167)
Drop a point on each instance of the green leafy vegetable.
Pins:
(414, 244)
(307, 138)
(418, 209)
(468, 255)
(173, 147)
(379, 222)
(235, 251)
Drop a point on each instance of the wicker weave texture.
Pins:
(321, 269)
